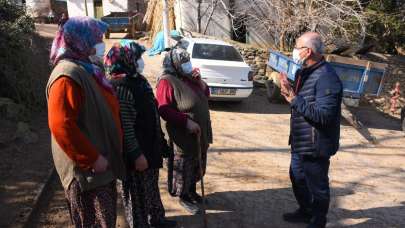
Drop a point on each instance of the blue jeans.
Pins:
(310, 182)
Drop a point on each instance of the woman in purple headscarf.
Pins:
(85, 123)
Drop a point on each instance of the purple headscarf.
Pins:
(75, 41)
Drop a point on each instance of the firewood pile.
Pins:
(153, 17)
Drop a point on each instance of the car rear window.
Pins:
(216, 52)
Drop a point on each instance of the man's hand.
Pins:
(193, 127)
(286, 89)
(100, 165)
(141, 164)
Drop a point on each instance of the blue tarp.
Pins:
(159, 44)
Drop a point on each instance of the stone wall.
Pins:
(257, 60)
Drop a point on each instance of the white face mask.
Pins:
(296, 57)
(187, 68)
(140, 65)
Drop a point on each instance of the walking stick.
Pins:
(202, 180)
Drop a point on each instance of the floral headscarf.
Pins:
(121, 59)
(173, 60)
(75, 41)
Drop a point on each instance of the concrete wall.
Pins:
(186, 18)
(220, 26)
(38, 8)
(77, 8)
(114, 6)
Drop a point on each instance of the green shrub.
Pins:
(16, 33)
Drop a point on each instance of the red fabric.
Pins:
(65, 100)
(167, 102)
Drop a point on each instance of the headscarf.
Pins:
(121, 59)
(173, 60)
(75, 41)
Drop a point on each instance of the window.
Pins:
(216, 52)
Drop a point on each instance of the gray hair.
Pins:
(314, 41)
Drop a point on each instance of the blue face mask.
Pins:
(100, 49)
(187, 68)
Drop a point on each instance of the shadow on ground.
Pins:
(257, 103)
(234, 209)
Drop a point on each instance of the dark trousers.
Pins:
(310, 182)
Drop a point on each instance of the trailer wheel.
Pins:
(273, 88)
(403, 119)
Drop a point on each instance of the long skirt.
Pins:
(184, 172)
(141, 197)
(93, 208)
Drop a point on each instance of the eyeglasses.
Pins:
(300, 47)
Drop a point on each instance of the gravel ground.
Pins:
(247, 182)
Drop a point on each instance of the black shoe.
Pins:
(189, 205)
(164, 223)
(196, 198)
(317, 223)
(298, 216)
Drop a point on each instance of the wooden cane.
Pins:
(202, 180)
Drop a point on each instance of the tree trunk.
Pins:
(199, 16)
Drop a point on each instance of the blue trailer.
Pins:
(122, 22)
(359, 77)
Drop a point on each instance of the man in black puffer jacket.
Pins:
(315, 100)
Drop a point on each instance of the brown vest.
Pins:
(195, 106)
(96, 122)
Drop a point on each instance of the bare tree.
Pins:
(284, 20)
(205, 9)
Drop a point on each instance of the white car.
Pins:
(222, 68)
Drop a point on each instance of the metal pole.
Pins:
(165, 23)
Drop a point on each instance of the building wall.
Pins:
(114, 6)
(256, 33)
(77, 8)
(186, 18)
(38, 8)
(123, 6)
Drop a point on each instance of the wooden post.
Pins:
(165, 23)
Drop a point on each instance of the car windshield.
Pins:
(216, 52)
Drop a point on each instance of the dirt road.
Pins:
(247, 182)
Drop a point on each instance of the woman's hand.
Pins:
(141, 164)
(100, 165)
(196, 75)
(193, 127)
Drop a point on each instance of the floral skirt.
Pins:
(93, 208)
(184, 172)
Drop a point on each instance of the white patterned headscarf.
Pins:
(173, 60)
